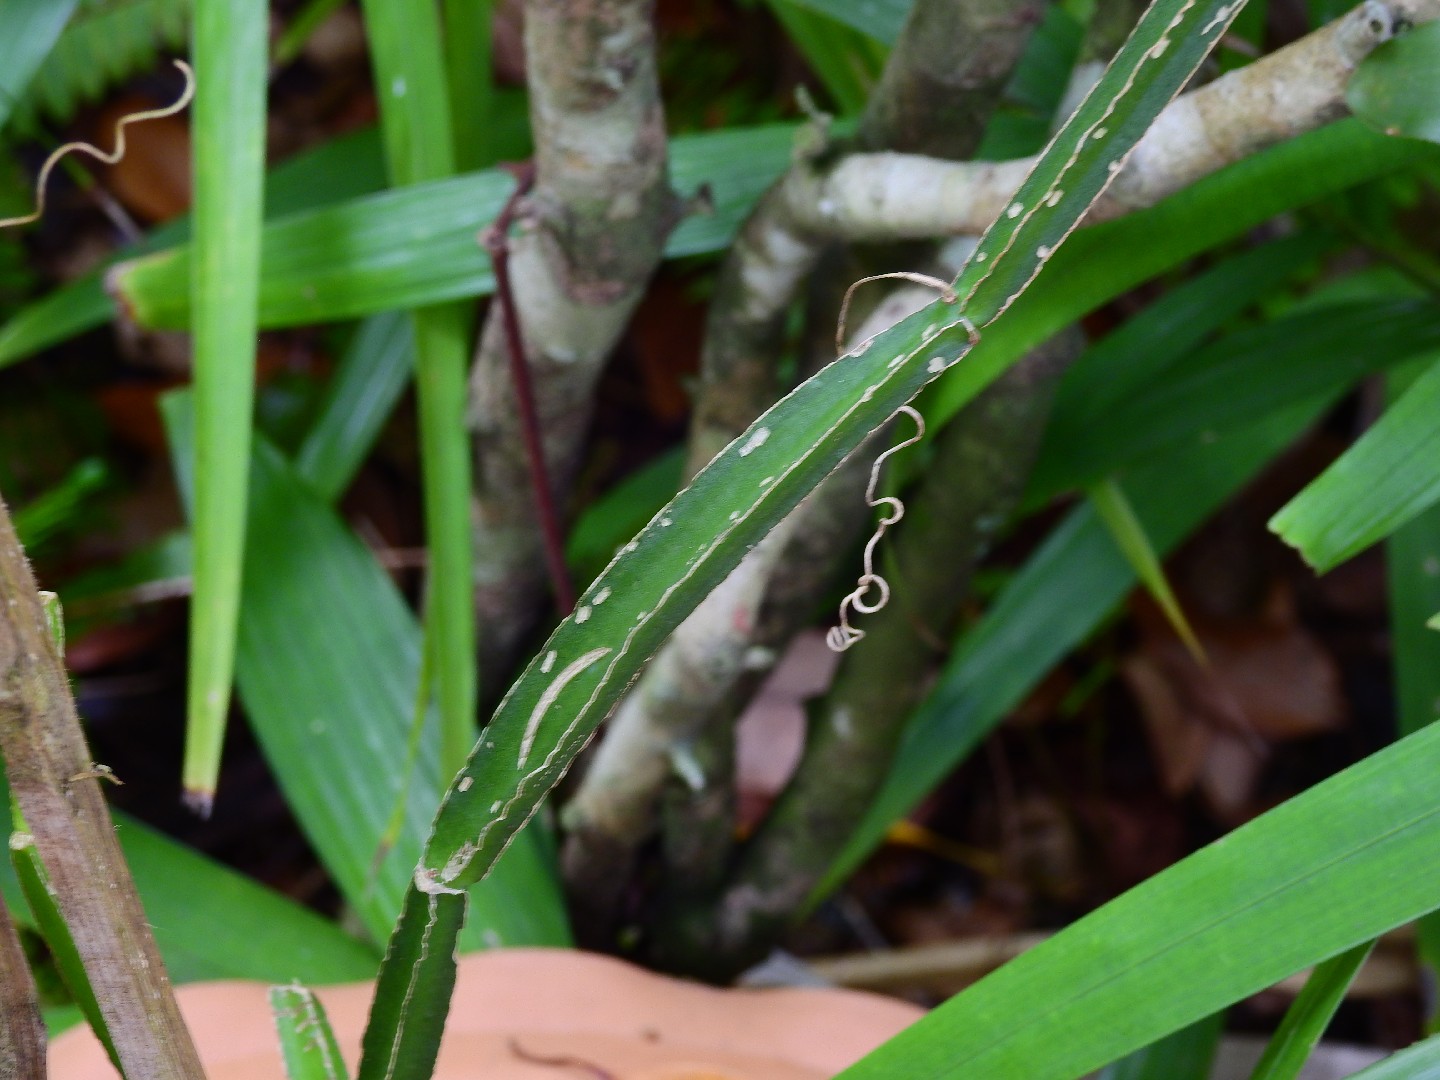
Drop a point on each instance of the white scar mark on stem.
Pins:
(547, 699)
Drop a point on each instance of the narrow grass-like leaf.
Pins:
(31, 29)
(1066, 589)
(1182, 1055)
(1343, 862)
(879, 19)
(415, 120)
(1309, 1015)
(1125, 527)
(1243, 376)
(1139, 354)
(342, 168)
(229, 164)
(1388, 477)
(372, 375)
(307, 1044)
(223, 925)
(1396, 89)
(417, 246)
(40, 898)
(847, 62)
(328, 663)
(690, 546)
(1418, 1062)
(54, 510)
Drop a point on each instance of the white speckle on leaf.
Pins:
(628, 548)
(465, 783)
(1099, 133)
(548, 662)
(582, 613)
(767, 481)
(756, 440)
(665, 523)
(936, 365)
(1053, 199)
(601, 596)
(734, 515)
(397, 86)
(981, 256)
(1014, 210)
(495, 806)
(1042, 252)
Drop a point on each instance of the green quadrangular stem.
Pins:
(688, 548)
(975, 478)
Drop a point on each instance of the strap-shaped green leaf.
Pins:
(1343, 862)
(306, 1042)
(1387, 478)
(686, 550)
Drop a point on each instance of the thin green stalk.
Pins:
(229, 162)
(468, 68)
(1309, 1015)
(415, 121)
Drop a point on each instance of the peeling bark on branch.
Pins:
(592, 234)
(53, 780)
